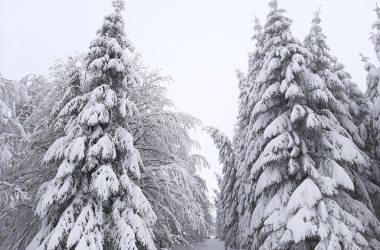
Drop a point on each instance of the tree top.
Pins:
(119, 5)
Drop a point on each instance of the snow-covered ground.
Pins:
(210, 244)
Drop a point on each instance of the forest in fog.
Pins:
(95, 155)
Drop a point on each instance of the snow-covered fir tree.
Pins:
(248, 90)
(322, 63)
(373, 90)
(302, 156)
(227, 216)
(230, 205)
(373, 97)
(95, 201)
(243, 138)
(350, 108)
(357, 105)
(183, 211)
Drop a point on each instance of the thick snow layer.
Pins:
(270, 176)
(307, 194)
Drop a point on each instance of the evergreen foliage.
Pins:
(303, 176)
(168, 178)
(97, 157)
(94, 200)
(373, 98)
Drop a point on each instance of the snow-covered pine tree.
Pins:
(360, 108)
(94, 200)
(322, 63)
(358, 105)
(347, 104)
(227, 216)
(248, 90)
(298, 167)
(373, 97)
(243, 134)
(373, 90)
(165, 152)
(231, 204)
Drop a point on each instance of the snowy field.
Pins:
(210, 244)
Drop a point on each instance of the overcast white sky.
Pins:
(200, 43)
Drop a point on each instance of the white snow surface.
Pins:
(209, 244)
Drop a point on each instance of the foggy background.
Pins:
(199, 43)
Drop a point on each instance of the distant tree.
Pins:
(229, 204)
(243, 138)
(227, 216)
